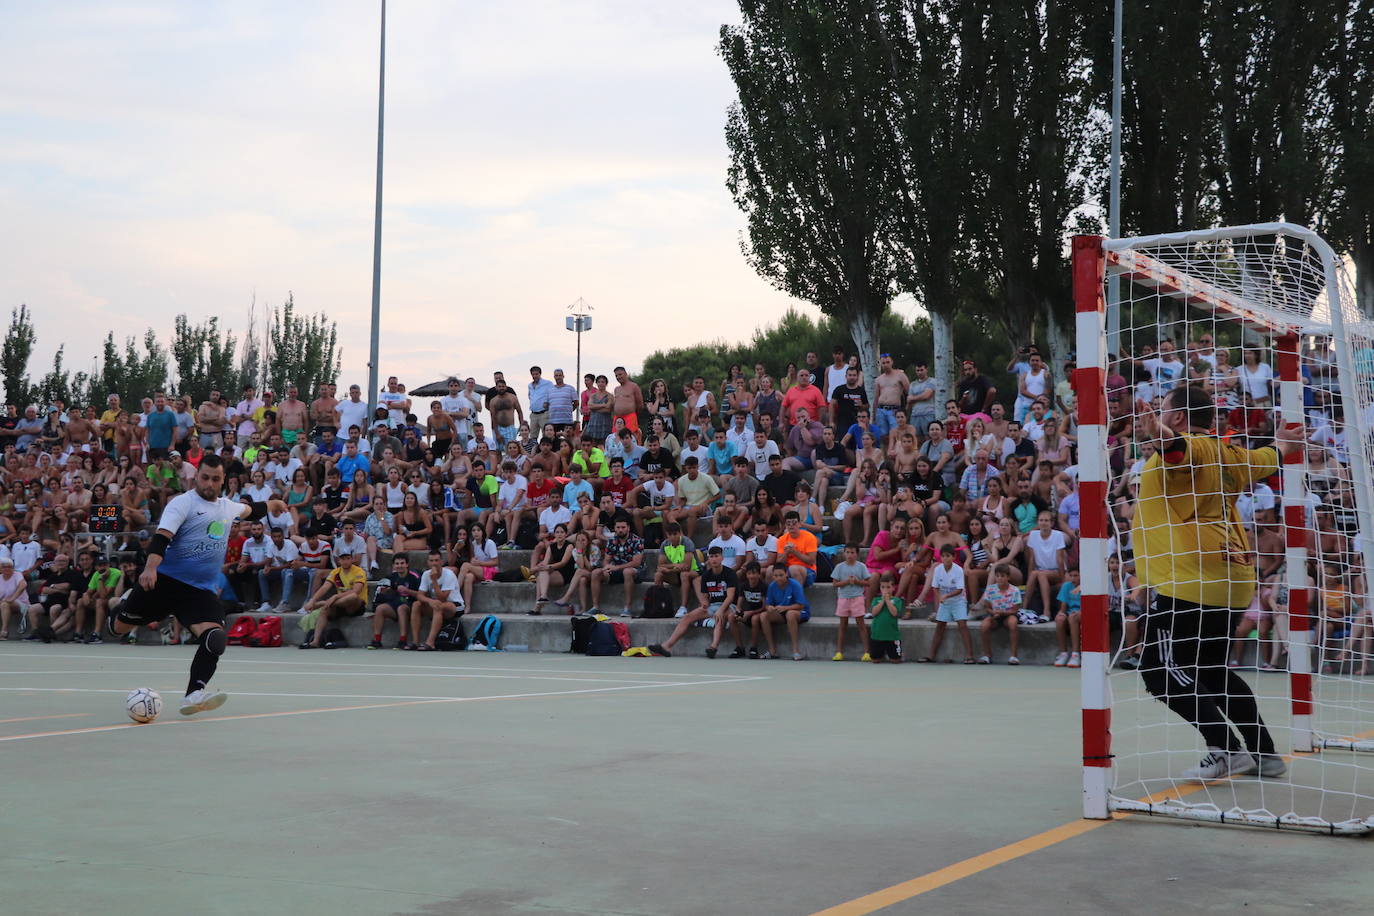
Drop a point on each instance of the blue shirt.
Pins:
(539, 397)
(791, 593)
(347, 466)
(572, 490)
(161, 424)
(562, 400)
(1072, 596)
(722, 456)
(200, 537)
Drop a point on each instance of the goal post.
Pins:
(1278, 295)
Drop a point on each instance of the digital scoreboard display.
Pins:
(104, 519)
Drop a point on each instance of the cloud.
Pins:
(166, 158)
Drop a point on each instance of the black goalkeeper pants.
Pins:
(1184, 666)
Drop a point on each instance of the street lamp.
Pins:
(577, 322)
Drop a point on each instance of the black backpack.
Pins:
(658, 602)
(452, 638)
(527, 536)
(825, 565)
(582, 625)
(334, 639)
(602, 640)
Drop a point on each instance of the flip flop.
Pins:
(925, 660)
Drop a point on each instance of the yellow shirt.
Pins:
(346, 580)
(1188, 537)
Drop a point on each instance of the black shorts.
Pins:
(172, 597)
(155, 453)
(880, 649)
(618, 577)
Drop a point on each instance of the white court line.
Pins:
(316, 673)
(239, 660)
(124, 726)
(244, 693)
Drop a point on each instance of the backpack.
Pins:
(825, 564)
(334, 639)
(487, 633)
(658, 602)
(603, 640)
(527, 536)
(452, 638)
(243, 628)
(267, 635)
(581, 633)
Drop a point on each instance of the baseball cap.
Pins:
(174, 454)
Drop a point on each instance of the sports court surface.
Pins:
(474, 783)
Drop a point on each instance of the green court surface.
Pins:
(475, 783)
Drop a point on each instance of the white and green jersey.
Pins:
(200, 537)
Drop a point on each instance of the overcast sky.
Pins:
(167, 157)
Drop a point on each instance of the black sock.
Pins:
(202, 669)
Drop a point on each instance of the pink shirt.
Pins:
(881, 541)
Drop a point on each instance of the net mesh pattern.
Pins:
(1209, 310)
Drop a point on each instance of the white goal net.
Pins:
(1226, 389)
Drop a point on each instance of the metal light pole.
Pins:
(372, 378)
(1114, 188)
(578, 322)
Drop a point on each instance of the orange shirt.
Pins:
(803, 542)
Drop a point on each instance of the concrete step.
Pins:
(817, 637)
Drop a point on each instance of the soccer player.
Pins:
(182, 572)
(1203, 570)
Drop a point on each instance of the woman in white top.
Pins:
(977, 437)
(1030, 385)
(258, 490)
(394, 489)
(482, 566)
(1225, 381)
(1256, 378)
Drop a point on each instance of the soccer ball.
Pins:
(144, 704)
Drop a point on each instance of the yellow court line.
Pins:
(65, 715)
(871, 903)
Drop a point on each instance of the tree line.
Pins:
(199, 358)
(947, 149)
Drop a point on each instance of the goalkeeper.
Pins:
(1192, 549)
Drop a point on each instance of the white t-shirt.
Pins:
(1046, 549)
(484, 551)
(734, 549)
(395, 415)
(700, 453)
(759, 456)
(26, 554)
(1256, 383)
(836, 378)
(660, 496)
(283, 472)
(286, 553)
(455, 403)
(357, 547)
(257, 551)
(942, 579)
(551, 518)
(1165, 374)
(259, 494)
(512, 494)
(761, 551)
(448, 582)
(352, 413)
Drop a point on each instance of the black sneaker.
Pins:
(753, 651)
(375, 644)
(656, 649)
(710, 651)
(94, 640)
(78, 638)
(738, 653)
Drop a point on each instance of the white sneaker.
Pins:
(202, 701)
(1061, 659)
(1219, 764)
(1075, 661)
(625, 612)
(283, 608)
(681, 612)
(1271, 766)
(264, 608)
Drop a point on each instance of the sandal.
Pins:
(925, 660)
(424, 647)
(968, 660)
(907, 616)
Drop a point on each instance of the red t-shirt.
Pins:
(617, 490)
(810, 398)
(539, 493)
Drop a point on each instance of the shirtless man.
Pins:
(506, 415)
(322, 412)
(292, 416)
(79, 432)
(889, 392)
(210, 416)
(628, 400)
(76, 508)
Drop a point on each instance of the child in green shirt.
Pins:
(884, 637)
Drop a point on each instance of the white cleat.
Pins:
(202, 701)
(1220, 764)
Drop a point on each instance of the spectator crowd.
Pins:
(908, 504)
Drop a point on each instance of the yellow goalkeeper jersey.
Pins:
(1188, 538)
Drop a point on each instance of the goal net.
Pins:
(1259, 326)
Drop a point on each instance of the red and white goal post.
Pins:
(1279, 299)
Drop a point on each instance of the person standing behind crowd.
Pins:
(628, 401)
(538, 392)
(562, 403)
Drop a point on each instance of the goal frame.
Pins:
(1093, 259)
